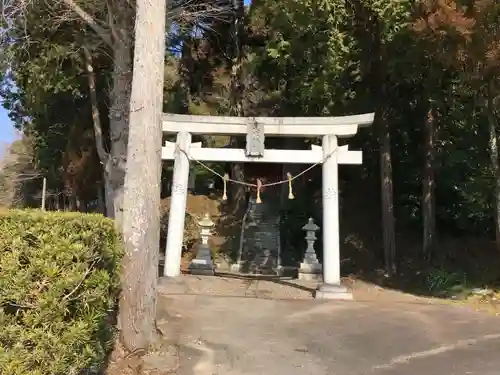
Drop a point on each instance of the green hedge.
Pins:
(59, 284)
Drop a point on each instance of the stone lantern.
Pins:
(310, 268)
(203, 263)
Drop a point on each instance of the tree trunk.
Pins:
(495, 166)
(237, 89)
(141, 219)
(428, 184)
(101, 204)
(118, 124)
(114, 161)
(185, 74)
(388, 229)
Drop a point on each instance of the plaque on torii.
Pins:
(255, 139)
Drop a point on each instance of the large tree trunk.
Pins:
(119, 125)
(388, 229)
(141, 218)
(495, 166)
(428, 184)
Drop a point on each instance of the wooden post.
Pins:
(173, 250)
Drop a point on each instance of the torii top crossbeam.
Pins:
(341, 126)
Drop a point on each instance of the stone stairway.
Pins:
(260, 245)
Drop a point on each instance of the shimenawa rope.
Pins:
(259, 185)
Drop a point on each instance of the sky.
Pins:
(7, 131)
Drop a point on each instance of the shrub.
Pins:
(59, 283)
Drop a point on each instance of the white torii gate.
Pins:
(329, 128)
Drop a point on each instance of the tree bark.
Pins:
(388, 227)
(101, 204)
(495, 166)
(115, 166)
(429, 183)
(141, 219)
(237, 89)
(185, 74)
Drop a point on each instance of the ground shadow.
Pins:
(280, 280)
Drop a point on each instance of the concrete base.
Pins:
(333, 292)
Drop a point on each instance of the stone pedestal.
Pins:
(310, 268)
(333, 292)
(203, 263)
(310, 272)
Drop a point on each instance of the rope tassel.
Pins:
(225, 179)
(290, 189)
(259, 186)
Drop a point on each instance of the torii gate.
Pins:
(256, 128)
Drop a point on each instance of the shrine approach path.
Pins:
(227, 326)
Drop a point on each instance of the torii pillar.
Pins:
(331, 288)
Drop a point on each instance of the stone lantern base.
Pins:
(310, 271)
(202, 264)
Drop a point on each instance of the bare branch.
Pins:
(17, 10)
(200, 12)
(103, 155)
(100, 31)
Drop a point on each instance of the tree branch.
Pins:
(100, 31)
(103, 155)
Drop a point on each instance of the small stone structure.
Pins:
(203, 263)
(310, 268)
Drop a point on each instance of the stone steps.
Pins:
(261, 241)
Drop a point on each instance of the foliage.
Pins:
(301, 58)
(45, 90)
(20, 180)
(59, 283)
(440, 281)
